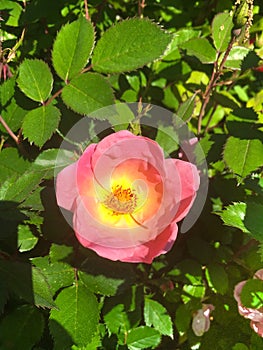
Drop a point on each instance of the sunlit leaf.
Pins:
(40, 123)
(156, 315)
(87, 93)
(128, 45)
(26, 239)
(236, 56)
(72, 48)
(143, 338)
(35, 79)
(243, 156)
(77, 316)
(234, 214)
(221, 30)
(201, 49)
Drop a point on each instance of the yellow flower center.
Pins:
(121, 200)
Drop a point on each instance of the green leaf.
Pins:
(95, 344)
(12, 163)
(218, 277)
(221, 31)
(13, 115)
(167, 138)
(72, 48)
(186, 109)
(252, 294)
(26, 240)
(128, 45)
(40, 123)
(260, 251)
(240, 346)
(7, 90)
(52, 160)
(243, 156)
(26, 282)
(236, 56)
(194, 291)
(225, 99)
(78, 315)
(107, 279)
(143, 338)
(233, 215)
(182, 35)
(87, 93)
(33, 201)
(17, 189)
(116, 320)
(57, 274)
(122, 118)
(183, 318)
(156, 315)
(14, 10)
(21, 329)
(253, 220)
(59, 252)
(200, 48)
(35, 79)
(41, 289)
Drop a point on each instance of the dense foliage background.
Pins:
(190, 57)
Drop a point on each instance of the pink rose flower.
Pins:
(126, 198)
(201, 320)
(254, 315)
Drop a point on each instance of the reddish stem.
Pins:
(53, 97)
(10, 132)
(217, 71)
(86, 10)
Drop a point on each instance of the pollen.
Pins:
(121, 200)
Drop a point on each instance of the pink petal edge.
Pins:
(144, 253)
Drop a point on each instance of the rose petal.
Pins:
(114, 150)
(143, 253)
(66, 182)
(257, 327)
(259, 274)
(189, 184)
(66, 187)
(255, 315)
(238, 289)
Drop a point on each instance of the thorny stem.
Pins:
(217, 71)
(10, 132)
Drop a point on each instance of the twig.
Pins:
(141, 6)
(53, 97)
(217, 71)
(86, 69)
(86, 10)
(10, 132)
